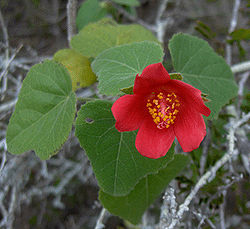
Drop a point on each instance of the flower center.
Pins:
(162, 108)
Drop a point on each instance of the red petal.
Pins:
(152, 142)
(190, 95)
(128, 112)
(152, 76)
(189, 129)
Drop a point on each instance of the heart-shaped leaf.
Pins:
(204, 69)
(96, 37)
(132, 206)
(78, 67)
(44, 112)
(116, 163)
(117, 67)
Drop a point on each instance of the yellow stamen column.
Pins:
(162, 108)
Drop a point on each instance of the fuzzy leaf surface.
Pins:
(96, 37)
(90, 11)
(44, 113)
(132, 206)
(78, 67)
(204, 69)
(117, 67)
(117, 165)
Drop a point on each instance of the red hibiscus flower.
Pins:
(161, 108)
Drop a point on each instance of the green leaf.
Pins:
(78, 67)
(117, 67)
(240, 34)
(127, 2)
(44, 112)
(90, 11)
(96, 37)
(201, 67)
(205, 30)
(116, 163)
(132, 206)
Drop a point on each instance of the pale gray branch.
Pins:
(8, 105)
(131, 17)
(232, 26)
(168, 208)
(241, 67)
(5, 36)
(222, 211)
(160, 24)
(99, 223)
(209, 175)
(205, 148)
(71, 18)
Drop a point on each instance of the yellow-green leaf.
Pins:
(78, 67)
(97, 37)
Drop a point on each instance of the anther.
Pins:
(162, 108)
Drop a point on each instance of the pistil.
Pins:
(163, 108)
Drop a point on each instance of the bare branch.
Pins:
(131, 17)
(99, 223)
(209, 175)
(242, 82)
(202, 219)
(234, 19)
(222, 213)
(3, 210)
(205, 148)
(12, 207)
(5, 36)
(241, 67)
(168, 209)
(232, 26)
(160, 25)
(5, 71)
(71, 18)
(3, 161)
(7, 106)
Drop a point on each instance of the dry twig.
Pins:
(71, 18)
(232, 26)
(99, 223)
(209, 175)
